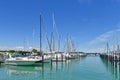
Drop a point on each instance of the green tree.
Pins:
(34, 51)
(11, 51)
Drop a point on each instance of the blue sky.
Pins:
(91, 23)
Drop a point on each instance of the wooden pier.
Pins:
(111, 57)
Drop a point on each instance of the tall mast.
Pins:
(118, 49)
(40, 33)
(68, 47)
(59, 44)
(33, 39)
(53, 36)
(41, 40)
(107, 48)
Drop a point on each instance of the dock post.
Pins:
(43, 58)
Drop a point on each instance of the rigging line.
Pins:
(54, 26)
(48, 41)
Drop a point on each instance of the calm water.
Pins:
(89, 68)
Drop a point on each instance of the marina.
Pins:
(59, 39)
(28, 59)
(86, 68)
(58, 64)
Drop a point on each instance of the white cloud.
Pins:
(105, 37)
(96, 50)
(102, 49)
(11, 48)
(118, 30)
(19, 47)
(16, 48)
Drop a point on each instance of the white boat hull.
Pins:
(23, 63)
(26, 61)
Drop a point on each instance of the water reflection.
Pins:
(49, 71)
(113, 68)
(22, 69)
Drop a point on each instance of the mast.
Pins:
(53, 36)
(40, 33)
(108, 51)
(107, 48)
(118, 49)
(68, 47)
(41, 52)
(32, 40)
(59, 44)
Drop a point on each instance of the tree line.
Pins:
(20, 51)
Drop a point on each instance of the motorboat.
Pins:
(21, 60)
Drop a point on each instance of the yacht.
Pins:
(21, 60)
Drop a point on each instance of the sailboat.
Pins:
(68, 53)
(56, 55)
(21, 60)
